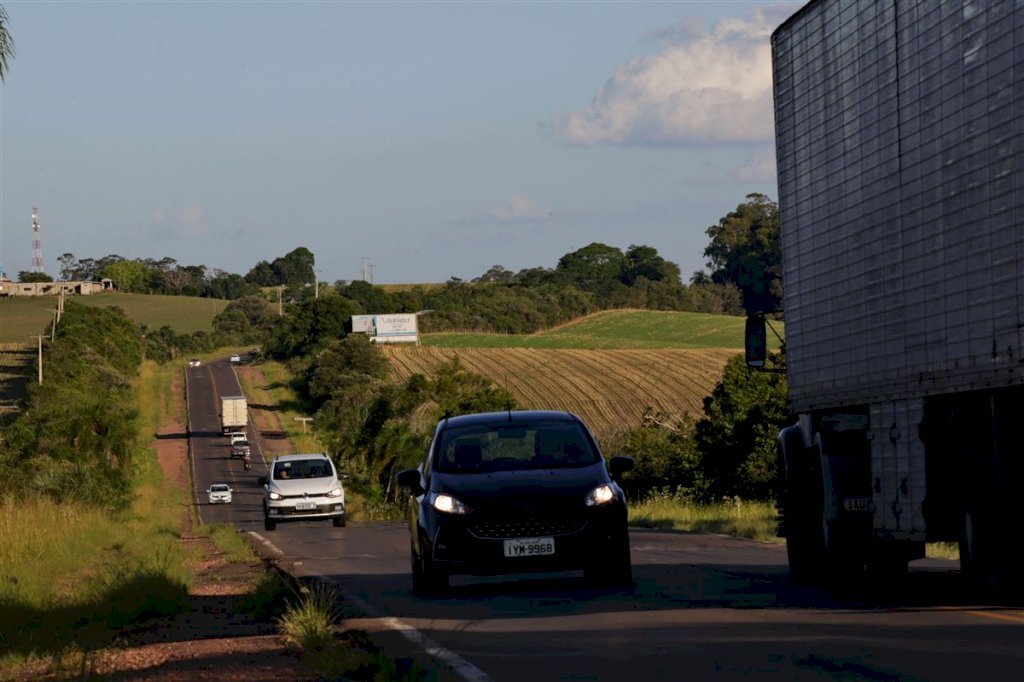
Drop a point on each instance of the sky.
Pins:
(428, 140)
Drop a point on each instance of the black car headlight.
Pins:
(448, 504)
(602, 494)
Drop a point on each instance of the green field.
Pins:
(20, 318)
(617, 329)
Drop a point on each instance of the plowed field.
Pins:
(609, 389)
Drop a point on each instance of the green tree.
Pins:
(596, 268)
(344, 363)
(372, 299)
(736, 436)
(6, 44)
(26, 276)
(127, 275)
(644, 261)
(745, 251)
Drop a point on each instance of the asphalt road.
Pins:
(702, 606)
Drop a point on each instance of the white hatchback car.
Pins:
(302, 488)
(194, 362)
(219, 493)
(236, 358)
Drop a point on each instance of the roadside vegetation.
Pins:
(90, 528)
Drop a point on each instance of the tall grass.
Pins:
(74, 576)
(740, 518)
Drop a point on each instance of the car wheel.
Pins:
(268, 524)
(426, 580)
(339, 523)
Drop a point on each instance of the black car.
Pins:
(514, 492)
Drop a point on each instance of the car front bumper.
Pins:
(476, 547)
(325, 509)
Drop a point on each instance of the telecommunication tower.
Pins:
(367, 270)
(37, 245)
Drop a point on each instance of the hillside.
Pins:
(617, 329)
(22, 317)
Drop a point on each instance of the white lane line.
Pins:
(460, 666)
(273, 548)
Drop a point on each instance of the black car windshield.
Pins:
(301, 468)
(514, 447)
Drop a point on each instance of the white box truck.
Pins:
(234, 414)
(901, 196)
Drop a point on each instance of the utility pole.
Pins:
(40, 338)
(280, 301)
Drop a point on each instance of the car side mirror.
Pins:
(262, 480)
(755, 341)
(410, 478)
(620, 464)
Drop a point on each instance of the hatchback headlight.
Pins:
(335, 493)
(275, 496)
(448, 504)
(602, 494)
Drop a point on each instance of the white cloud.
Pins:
(702, 87)
(516, 209)
(189, 221)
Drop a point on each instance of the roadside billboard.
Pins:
(394, 329)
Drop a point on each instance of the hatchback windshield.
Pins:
(513, 447)
(302, 468)
(222, 488)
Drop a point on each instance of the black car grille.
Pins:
(526, 528)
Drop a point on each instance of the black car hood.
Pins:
(486, 489)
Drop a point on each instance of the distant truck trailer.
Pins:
(901, 192)
(234, 414)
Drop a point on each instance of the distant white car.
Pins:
(236, 436)
(194, 362)
(219, 493)
(236, 358)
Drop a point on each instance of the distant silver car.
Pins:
(219, 493)
(236, 358)
(194, 362)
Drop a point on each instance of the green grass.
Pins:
(615, 329)
(21, 317)
(739, 518)
(76, 576)
(72, 577)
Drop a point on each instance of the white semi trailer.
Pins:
(900, 146)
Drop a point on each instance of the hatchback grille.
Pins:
(526, 528)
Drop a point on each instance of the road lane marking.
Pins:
(274, 548)
(459, 666)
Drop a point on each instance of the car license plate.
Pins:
(305, 506)
(521, 547)
(857, 504)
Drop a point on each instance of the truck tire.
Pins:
(803, 512)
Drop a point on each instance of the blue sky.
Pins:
(435, 139)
